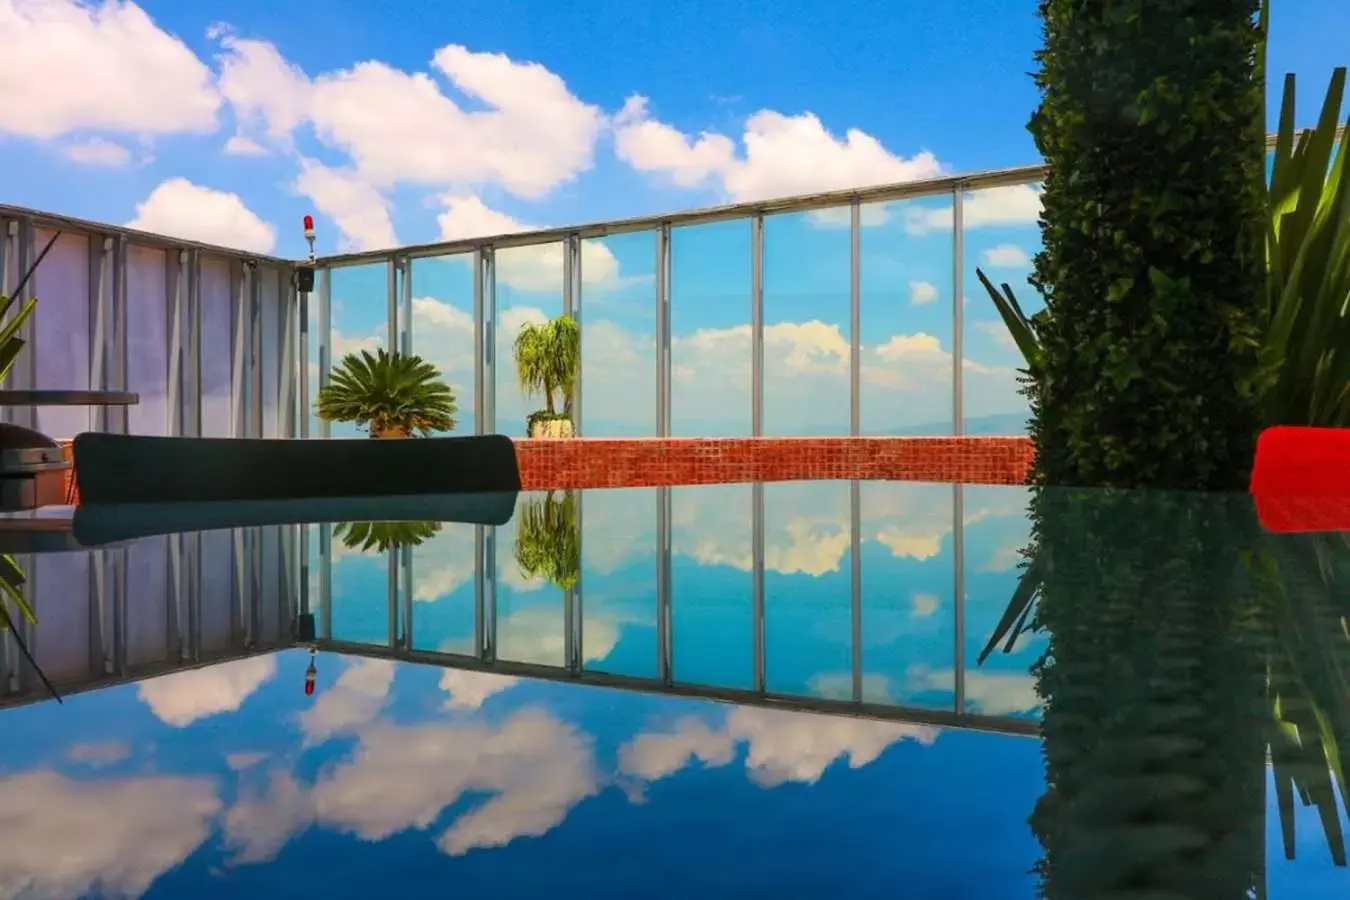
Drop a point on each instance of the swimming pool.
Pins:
(714, 690)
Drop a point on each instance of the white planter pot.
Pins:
(554, 428)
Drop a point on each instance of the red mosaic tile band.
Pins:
(655, 462)
(646, 462)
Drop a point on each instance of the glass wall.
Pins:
(442, 326)
(1001, 238)
(443, 588)
(618, 335)
(62, 331)
(905, 306)
(359, 309)
(806, 272)
(219, 295)
(147, 339)
(529, 290)
(710, 301)
(271, 294)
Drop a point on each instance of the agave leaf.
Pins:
(1019, 326)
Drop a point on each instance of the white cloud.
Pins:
(73, 66)
(1018, 204)
(470, 690)
(922, 293)
(353, 701)
(242, 146)
(99, 753)
(1006, 256)
(991, 693)
(529, 134)
(782, 746)
(362, 214)
(179, 208)
(997, 332)
(783, 155)
(184, 697)
(924, 604)
(60, 842)
(99, 152)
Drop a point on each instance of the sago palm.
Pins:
(548, 362)
(389, 394)
(381, 537)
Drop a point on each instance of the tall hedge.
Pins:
(1151, 121)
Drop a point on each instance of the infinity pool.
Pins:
(734, 690)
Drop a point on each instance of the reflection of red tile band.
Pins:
(646, 462)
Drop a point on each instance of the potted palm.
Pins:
(548, 364)
(391, 395)
(548, 540)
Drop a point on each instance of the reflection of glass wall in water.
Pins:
(806, 323)
(618, 335)
(908, 608)
(443, 589)
(535, 566)
(618, 585)
(996, 531)
(359, 307)
(710, 285)
(359, 585)
(61, 329)
(711, 588)
(529, 291)
(905, 306)
(808, 611)
(442, 325)
(147, 339)
(1001, 239)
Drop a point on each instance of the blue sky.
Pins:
(228, 123)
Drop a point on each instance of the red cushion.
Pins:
(1301, 479)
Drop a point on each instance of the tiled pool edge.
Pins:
(656, 462)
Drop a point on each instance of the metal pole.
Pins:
(325, 337)
(958, 309)
(855, 586)
(959, 592)
(757, 586)
(663, 237)
(490, 341)
(406, 315)
(479, 343)
(855, 318)
(391, 304)
(757, 325)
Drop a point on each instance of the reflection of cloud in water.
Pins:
(839, 685)
(537, 635)
(355, 699)
(924, 604)
(403, 777)
(99, 753)
(184, 697)
(781, 746)
(991, 693)
(470, 690)
(67, 838)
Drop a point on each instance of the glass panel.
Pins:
(997, 530)
(529, 290)
(270, 297)
(712, 632)
(147, 601)
(808, 613)
(618, 336)
(908, 613)
(219, 598)
(359, 309)
(443, 595)
(61, 592)
(534, 567)
(360, 591)
(710, 285)
(618, 540)
(1001, 238)
(218, 296)
(906, 317)
(806, 324)
(147, 339)
(442, 326)
(62, 330)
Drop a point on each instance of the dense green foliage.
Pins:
(548, 364)
(1151, 125)
(388, 393)
(548, 539)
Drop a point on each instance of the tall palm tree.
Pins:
(391, 394)
(548, 364)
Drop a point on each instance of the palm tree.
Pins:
(381, 537)
(548, 540)
(548, 363)
(391, 394)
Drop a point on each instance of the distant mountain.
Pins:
(983, 426)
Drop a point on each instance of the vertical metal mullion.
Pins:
(479, 589)
(9, 248)
(325, 337)
(578, 631)
(302, 414)
(406, 314)
(959, 595)
(391, 304)
(119, 605)
(239, 357)
(255, 353)
(855, 587)
(405, 562)
(176, 274)
(326, 580)
(285, 363)
(664, 651)
(194, 346)
(99, 562)
(102, 265)
(479, 337)
(121, 415)
(663, 286)
(757, 325)
(391, 595)
(489, 651)
(757, 586)
(26, 369)
(490, 342)
(855, 318)
(958, 309)
(243, 584)
(576, 289)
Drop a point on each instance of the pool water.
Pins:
(782, 690)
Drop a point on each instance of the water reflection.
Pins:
(463, 703)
